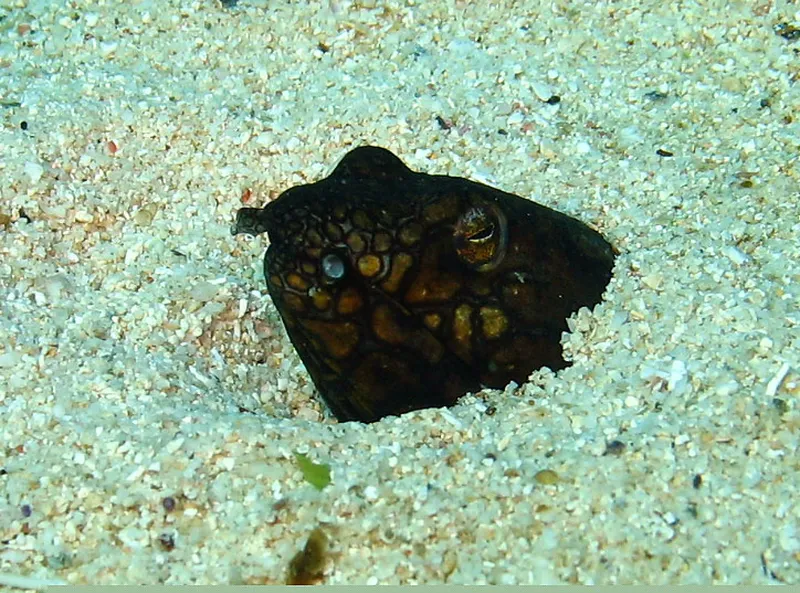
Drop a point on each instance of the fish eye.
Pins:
(333, 267)
(480, 236)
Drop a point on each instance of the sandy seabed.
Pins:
(151, 403)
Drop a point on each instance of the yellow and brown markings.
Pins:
(410, 234)
(386, 327)
(294, 302)
(349, 301)
(462, 329)
(445, 207)
(369, 265)
(362, 220)
(297, 282)
(313, 253)
(322, 299)
(356, 242)
(493, 322)
(400, 264)
(432, 321)
(390, 328)
(313, 238)
(402, 290)
(382, 242)
(432, 283)
(338, 338)
(333, 231)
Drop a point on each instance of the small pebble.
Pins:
(166, 541)
(546, 477)
(34, 171)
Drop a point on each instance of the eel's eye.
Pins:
(481, 236)
(333, 267)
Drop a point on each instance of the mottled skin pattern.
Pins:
(402, 290)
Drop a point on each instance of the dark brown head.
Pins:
(402, 290)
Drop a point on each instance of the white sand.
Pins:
(133, 326)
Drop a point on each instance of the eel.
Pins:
(402, 290)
